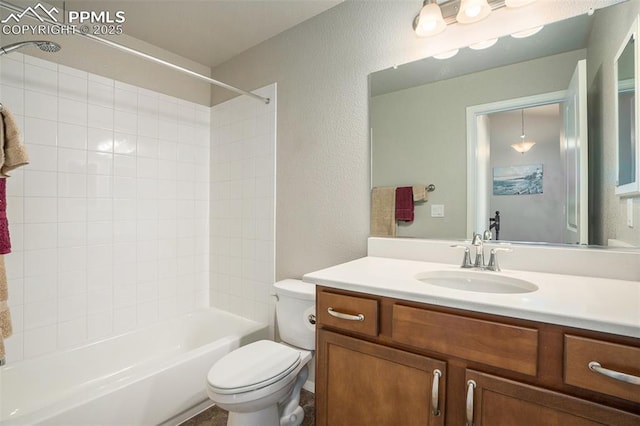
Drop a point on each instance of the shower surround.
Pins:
(110, 220)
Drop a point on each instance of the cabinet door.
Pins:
(362, 383)
(499, 402)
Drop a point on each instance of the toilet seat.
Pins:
(252, 367)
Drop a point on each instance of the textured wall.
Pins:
(321, 67)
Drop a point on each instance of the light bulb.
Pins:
(473, 11)
(430, 21)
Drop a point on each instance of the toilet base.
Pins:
(266, 416)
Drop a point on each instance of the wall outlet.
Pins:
(437, 210)
(630, 212)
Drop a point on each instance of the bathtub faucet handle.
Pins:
(275, 296)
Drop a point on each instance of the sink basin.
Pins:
(480, 281)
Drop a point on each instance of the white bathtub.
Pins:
(148, 377)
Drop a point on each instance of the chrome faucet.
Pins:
(478, 242)
(479, 245)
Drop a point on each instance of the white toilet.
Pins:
(260, 383)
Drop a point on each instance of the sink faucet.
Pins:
(479, 245)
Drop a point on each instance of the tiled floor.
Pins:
(215, 416)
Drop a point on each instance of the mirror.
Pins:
(427, 128)
(628, 176)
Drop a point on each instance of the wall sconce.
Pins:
(435, 15)
(522, 146)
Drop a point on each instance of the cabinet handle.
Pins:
(359, 317)
(616, 375)
(435, 387)
(471, 385)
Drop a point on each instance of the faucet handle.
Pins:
(493, 258)
(487, 235)
(476, 240)
(466, 260)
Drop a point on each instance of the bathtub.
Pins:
(152, 376)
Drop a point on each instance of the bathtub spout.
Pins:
(293, 414)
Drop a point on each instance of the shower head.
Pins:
(44, 45)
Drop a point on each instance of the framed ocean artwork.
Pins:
(517, 180)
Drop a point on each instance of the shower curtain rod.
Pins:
(135, 52)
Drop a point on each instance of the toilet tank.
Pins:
(296, 302)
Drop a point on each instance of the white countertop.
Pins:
(600, 304)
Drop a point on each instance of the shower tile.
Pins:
(72, 333)
(40, 341)
(12, 98)
(72, 161)
(72, 136)
(72, 259)
(72, 209)
(124, 319)
(148, 126)
(40, 132)
(100, 117)
(72, 234)
(72, 185)
(125, 143)
(32, 60)
(40, 236)
(12, 72)
(42, 288)
(15, 210)
(99, 186)
(100, 94)
(124, 230)
(73, 87)
(72, 283)
(40, 209)
(125, 122)
(100, 324)
(99, 233)
(99, 209)
(99, 163)
(73, 111)
(73, 307)
(40, 314)
(100, 256)
(40, 184)
(100, 140)
(41, 79)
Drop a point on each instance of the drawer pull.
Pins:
(471, 385)
(623, 377)
(435, 387)
(359, 317)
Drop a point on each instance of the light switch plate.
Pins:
(630, 212)
(437, 210)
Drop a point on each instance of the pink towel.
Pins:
(5, 242)
(404, 204)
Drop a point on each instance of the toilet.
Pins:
(260, 383)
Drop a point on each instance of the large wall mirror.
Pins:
(459, 124)
(628, 155)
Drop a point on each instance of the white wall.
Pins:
(321, 67)
(109, 221)
(243, 142)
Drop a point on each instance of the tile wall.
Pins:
(110, 220)
(243, 141)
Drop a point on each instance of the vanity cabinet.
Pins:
(387, 361)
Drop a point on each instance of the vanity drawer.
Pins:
(580, 351)
(349, 313)
(500, 345)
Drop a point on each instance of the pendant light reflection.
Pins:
(483, 44)
(429, 22)
(446, 55)
(522, 146)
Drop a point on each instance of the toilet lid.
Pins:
(253, 366)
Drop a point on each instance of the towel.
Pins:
(13, 153)
(5, 240)
(404, 204)
(5, 315)
(420, 193)
(383, 212)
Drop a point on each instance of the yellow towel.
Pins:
(5, 315)
(383, 212)
(420, 193)
(13, 153)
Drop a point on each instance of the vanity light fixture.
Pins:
(522, 146)
(435, 15)
(473, 11)
(430, 21)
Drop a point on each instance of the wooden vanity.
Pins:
(388, 361)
